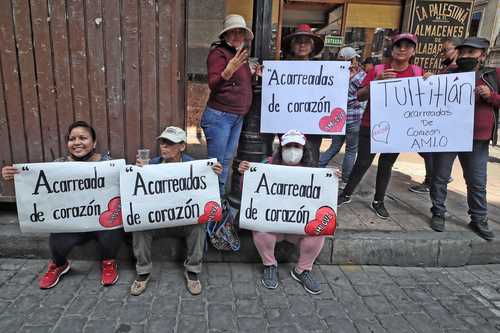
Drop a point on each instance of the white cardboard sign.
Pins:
(68, 196)
(309, 96)
(291, 200)
(169, 195)
(417, 115)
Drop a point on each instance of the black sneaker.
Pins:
(307, 280)
(419, 188)
(343, 199)
(482, 229)
(270, 277)
(379, 208)
(437, 223)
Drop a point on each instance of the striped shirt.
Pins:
(355, 108)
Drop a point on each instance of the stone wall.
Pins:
(197, 96)
(205, 20)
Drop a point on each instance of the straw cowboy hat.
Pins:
(234, 21)
(304, 30)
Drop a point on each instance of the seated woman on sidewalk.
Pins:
(291, 152)
(81, 143)
(172, 146)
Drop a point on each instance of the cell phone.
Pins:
(246, 46)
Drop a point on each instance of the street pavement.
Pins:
(354, 299)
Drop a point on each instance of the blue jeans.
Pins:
(222, 131)
(351, 148)
(474, 168)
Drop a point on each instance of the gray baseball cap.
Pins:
(174, 134)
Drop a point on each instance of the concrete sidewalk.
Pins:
(362, 238)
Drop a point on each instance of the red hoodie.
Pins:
(486, 110)
(235, 94)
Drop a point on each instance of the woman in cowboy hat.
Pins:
(303, 44)
(230, 82)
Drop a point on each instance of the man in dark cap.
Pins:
(471, 56)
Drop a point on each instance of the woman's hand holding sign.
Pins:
(337, 172)
(483, 91)
(217, 168)
(9, 171)
(388, 73)
(427, 75)
(244, 166)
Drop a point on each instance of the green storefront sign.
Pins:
(334, 41)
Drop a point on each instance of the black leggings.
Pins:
(364, 161)
(313, 145)
(108, 243)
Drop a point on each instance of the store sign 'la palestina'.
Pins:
(434, 21)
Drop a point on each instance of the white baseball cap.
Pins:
(348, 53)
(174, 134)
(293, 136)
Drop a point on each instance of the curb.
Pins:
(420, 248)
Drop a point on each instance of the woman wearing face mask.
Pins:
(471, 57)
(81, 143)
(230, 82)
(403, 49)
(303, 45)
(292, 152)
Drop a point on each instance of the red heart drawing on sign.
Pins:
(325, 222)
(113, 216)
(212, 212)
(334, 122)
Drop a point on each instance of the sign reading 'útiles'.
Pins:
(433, 21)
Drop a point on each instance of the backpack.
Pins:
(417, 70)
(223, 235)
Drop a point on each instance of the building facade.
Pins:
(485, 23)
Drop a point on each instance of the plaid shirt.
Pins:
(355, 108)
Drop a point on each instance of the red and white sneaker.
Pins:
(109, 273)
(54, 273)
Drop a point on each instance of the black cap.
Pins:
(475, 42)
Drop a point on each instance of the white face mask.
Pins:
(292, 155)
